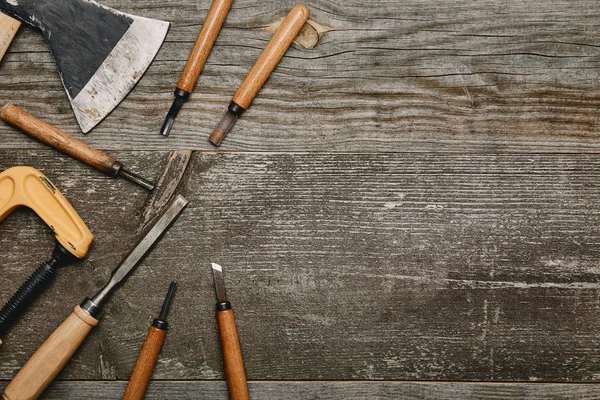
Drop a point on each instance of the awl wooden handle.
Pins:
(51, 357)
(8, 29)
(204, 43)
(271, 55)
(56, 138)
(232, 356)
(136, 388)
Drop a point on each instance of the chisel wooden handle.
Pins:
(136, 388)
(271, 55)
(8, 29)
(232, 356)
(51, 357)
(56, 138)
(206, 38)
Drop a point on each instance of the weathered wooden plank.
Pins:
(348, 266)
(416, 75)
(330, 390)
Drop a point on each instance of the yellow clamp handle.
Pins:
(28, 187)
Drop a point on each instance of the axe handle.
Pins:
(8, 29)
(204, 43)
(56, 138)
(271, 55)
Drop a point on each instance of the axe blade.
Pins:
(101, 53)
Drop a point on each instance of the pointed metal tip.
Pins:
(217, 267)
(137, 179)
(180, 97)
(219, 283)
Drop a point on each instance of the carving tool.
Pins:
(57, 350)
(230, 343)
(204, 43)
(28, 187)
(101, 53)
(67, 144)
(266, 63)
(8, 30)
(142, 372)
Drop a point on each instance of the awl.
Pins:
(204, 43)
(142, 372)
(230, 343)
(67, 144)
(57, 350)
(258, 75)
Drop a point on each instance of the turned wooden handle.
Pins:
(271, 55)
(51, 357)
(56, 138)
(8, 29)
(232, 356)
(204, 43)
(142, 372)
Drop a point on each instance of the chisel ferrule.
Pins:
(236, 108)
(160, 324)
(223, 306)
(114, 171)
(91, 308)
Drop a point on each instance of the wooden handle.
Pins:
(204, 43)
(51, 357)
(8, 29)
(56, 138)
(145, 364)
(271, 55)
(232, 356)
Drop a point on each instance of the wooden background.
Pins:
(409, 209)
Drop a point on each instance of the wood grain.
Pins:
(391, 266)
(8, 29)
(396, 76)
(51, 357)
(330, 390)
(142, 372)
(232, 356)
(56, 138)
(204, 43)
(271, 55)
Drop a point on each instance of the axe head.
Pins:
(101, 53)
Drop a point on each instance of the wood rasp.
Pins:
(101, 53)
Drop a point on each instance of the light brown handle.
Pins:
(271, 55)
(8, 29)
(51, 357)
(204, 43)
(232, 356)
(136, 388)
(56, 138)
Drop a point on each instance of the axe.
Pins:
(101, 53)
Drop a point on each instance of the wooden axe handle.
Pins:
(232, 356)
(271, 55)
(206, 38)
(56, 138)
(8, 29)
(51, 357)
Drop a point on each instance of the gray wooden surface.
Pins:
(414, 199)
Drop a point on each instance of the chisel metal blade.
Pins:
(219, 283)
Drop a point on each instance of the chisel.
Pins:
(57, 350)
(230, 343)
(258, 75)
(67, 144)
(204, 43)
(142, 372)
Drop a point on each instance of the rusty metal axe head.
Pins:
(101, 53)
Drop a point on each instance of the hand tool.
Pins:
(232, 354)
(28, 187)
(142, 372)
(55, 352)
(266, 63)
(67, 144)
(100, 53)
(204, 43)
(8, 30)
